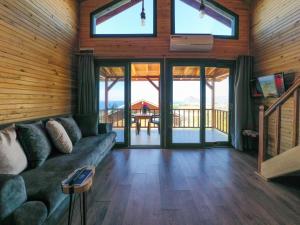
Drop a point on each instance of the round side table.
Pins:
(82, 191)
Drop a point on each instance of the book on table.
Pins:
(78, 177)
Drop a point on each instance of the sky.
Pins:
(129, 21)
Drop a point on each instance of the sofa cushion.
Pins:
(44, 183)
(88, 124)
(12, 157)
(45, 186)
(12, 194)
(104, 128)
(59, 136)
(35, 143)
(72, 128)
(33, 213)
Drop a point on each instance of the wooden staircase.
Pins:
(282, 163)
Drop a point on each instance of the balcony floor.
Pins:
(180, 135)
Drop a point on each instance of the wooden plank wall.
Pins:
(37, 39)
(158, 47)
(275, 41)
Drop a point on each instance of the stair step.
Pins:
(283, 164)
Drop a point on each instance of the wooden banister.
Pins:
(261, 147)
(276, 107)
(283, 98)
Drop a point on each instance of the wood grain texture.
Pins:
(186, 187)
(275, 41)
(158, 47)
(37, 67)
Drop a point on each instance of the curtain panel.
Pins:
(242, 112)
(87, 89)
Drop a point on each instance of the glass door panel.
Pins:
(112, 100)
(145, 104)
(185, 107)
(217, 104)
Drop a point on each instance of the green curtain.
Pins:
(87, 98)
(242, 113)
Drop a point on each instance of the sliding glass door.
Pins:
(198, 103)
(186, 104)
(113, 99)
(217, 104)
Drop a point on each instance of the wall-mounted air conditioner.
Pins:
(195, 43)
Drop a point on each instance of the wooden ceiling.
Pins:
(143, 71)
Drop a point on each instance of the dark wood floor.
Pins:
(188, 187)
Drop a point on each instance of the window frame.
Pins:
(112, 3)
(235, 27)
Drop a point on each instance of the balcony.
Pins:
(186, 123)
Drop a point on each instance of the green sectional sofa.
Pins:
(35, 197)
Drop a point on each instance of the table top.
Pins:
(80, 189)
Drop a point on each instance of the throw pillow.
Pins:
(12, 157)
(88, 124)
(72, 128)
(59, 136)
(35, 143)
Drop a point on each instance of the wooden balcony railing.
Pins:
(182, 118)
(276, 108)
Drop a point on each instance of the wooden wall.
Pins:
(37, 39)
(275, 41)
(158, 47)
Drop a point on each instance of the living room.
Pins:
(177, 112)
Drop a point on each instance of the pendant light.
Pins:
(143, 15)
(202, 9)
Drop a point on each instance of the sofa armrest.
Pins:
(12, 194)
(32, 212)
(105, 128)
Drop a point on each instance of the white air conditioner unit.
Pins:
(195, 43)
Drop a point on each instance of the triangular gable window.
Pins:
(123, 18)
(216, 19)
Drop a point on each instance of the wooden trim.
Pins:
(153, 84)
(277, 131)
(283, 98)
(113, 83)
(296, 118)
(261, 147)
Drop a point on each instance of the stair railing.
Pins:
(276, 108)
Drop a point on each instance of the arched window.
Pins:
(215, 19)
(125, 18)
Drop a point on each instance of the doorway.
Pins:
(189, 106)
(199, 103)
(145, 104)
(129, 99)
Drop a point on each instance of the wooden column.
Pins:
(106, 100)
(213, 104)
(261, 147)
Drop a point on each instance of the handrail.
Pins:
(283, 98)
(182, 118)
(276, 107)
